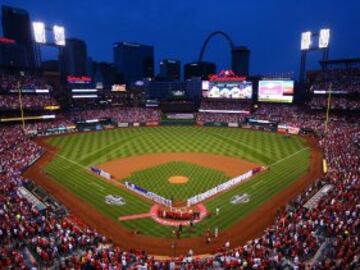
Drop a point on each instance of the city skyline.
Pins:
(178, 30)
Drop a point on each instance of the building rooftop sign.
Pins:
(226, 76)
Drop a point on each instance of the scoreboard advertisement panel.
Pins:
(227, 89)
(276, 91)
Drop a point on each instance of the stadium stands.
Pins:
(128, 115)
(36, 93)
(30, 102)
(323, 236)
(337, 103)
(293, 239)
(8, 83)
(344, 80)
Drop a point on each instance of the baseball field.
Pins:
(177, 163)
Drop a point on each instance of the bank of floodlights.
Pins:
(311, 42)
(307, 40)
(39, 32)
(324, 38)
(58, 33)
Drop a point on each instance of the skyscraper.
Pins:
(107, 74)
(135, 61)
(170, 70)
(199, 70)
(240, 60)
(13, 54)
(74, 57)
(17, 26)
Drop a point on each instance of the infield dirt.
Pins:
(124, 167)
(178, 180)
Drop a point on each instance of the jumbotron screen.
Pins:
(230, 90)
(276, 91)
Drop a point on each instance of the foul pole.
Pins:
(21, 107)
(328, 109)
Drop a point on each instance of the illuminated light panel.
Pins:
(59, 35)
(83, 90)
(324, 38)
(39, 32)
(305, 40)
(84, 96)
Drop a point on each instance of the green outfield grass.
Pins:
(288, 159)
(156, 180)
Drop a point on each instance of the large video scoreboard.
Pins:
(226, 85)
(278, 91)
(228, 90)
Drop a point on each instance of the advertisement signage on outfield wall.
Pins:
(235, 125)
(123, 124)
(288, 129)
(152, 123)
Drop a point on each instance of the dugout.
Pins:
(262, 124)
(94, 124)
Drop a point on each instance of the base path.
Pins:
(137, 216)
(124, 167)
(249, 227)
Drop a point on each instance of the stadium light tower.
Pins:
(308, 45)
(40, 31)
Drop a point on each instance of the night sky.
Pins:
(177, 28)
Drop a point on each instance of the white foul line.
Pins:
(293, 154)
(65, 158)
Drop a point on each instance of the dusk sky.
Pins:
(178, 28)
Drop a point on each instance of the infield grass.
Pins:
(200, 179)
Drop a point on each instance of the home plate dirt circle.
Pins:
(178, 180)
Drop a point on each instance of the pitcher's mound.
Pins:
(178, 179)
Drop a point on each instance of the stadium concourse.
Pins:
(319, 229)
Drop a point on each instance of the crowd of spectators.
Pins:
(275, 112)
(42, 126)
(345, 80)
(28, 82)
(29, 101)
(221, 111)
(228, 105)
(202, 117)
(119, 114)
(293, 239)
(18, 217)
(337, 103)
(9, 99)
(33, 238)
(292, 115)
